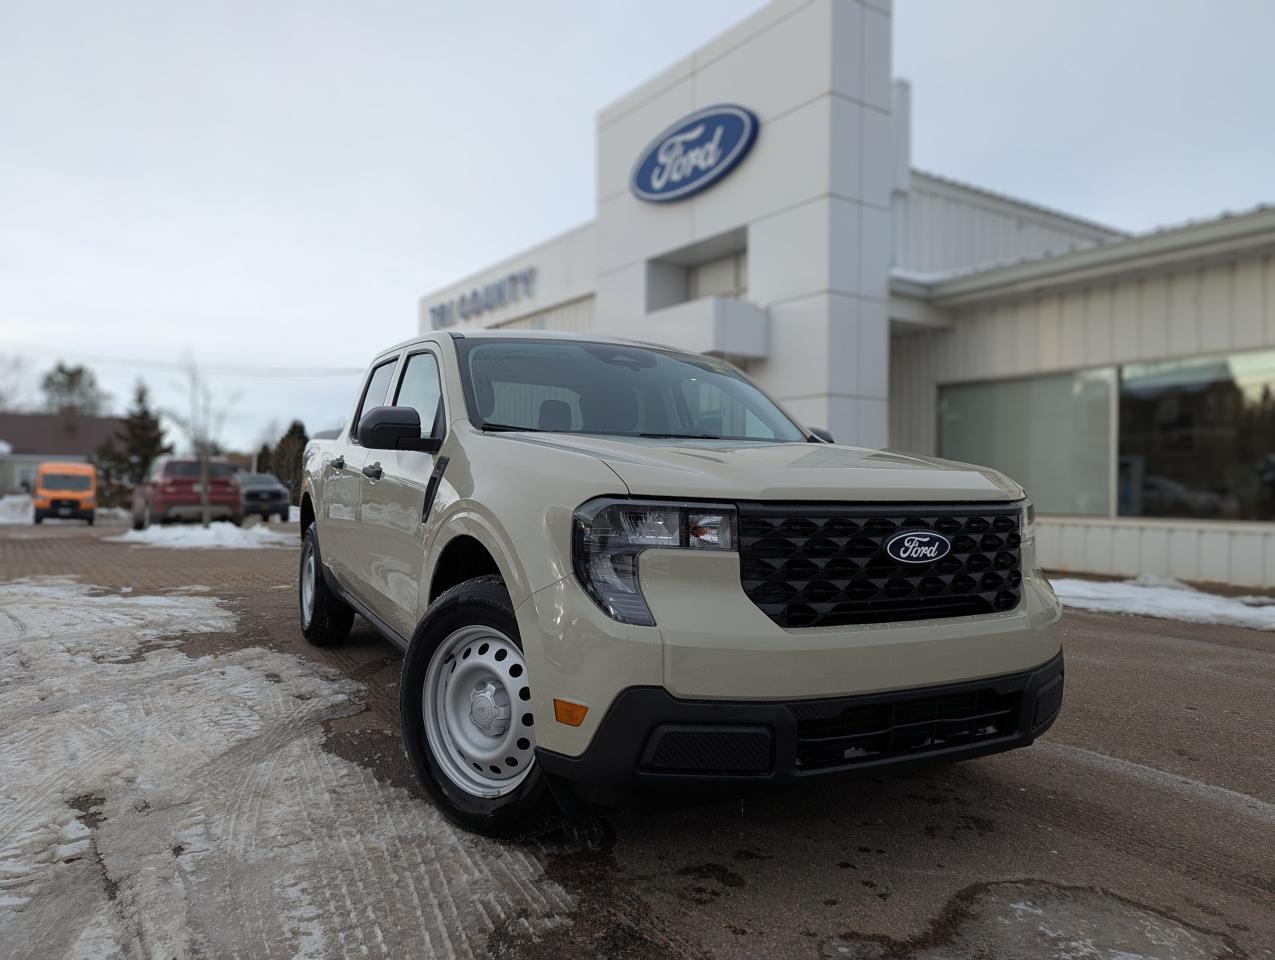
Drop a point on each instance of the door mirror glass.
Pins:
(394, 428)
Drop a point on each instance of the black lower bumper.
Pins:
(63, 513)
(653, 748)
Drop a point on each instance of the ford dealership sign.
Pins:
(694, 153)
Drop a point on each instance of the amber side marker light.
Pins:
(572, 714)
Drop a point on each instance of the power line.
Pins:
(178, 366)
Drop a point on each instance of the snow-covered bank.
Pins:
(1149, 596)
(154, 802)
(16, 508)
(221, 535)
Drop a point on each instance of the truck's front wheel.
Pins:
(467, 722)
(325, 617)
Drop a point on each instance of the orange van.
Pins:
(67, 490)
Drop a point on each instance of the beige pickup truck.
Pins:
(623, 574)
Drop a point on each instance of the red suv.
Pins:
(172, 492)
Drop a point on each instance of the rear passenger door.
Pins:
(343, 485)
(395, 501)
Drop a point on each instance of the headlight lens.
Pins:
(610, 534)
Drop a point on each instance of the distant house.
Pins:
(28, 439)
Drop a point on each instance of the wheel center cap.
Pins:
(485, 713)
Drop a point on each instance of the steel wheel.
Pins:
(308, 574)
(477, 712)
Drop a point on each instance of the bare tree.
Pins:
(202, 427)
(13, 371)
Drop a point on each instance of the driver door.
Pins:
(393, 509)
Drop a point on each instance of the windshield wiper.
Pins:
(681, 436)
(507, 428)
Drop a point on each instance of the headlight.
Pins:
(608, 535)
(1027, 526)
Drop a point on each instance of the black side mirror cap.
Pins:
(820, 435)
(395, 428)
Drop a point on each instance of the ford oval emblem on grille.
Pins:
(918, 546)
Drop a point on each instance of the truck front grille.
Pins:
(896, 727)
(817, 565)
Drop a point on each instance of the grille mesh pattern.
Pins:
(913, 725)
(809, 565)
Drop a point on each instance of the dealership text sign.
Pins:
(694, 153)
(490, 296)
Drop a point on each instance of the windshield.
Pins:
(614, 390)
(66, 481)
(258, 480)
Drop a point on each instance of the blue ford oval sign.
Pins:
(694, 153)
(918, 546)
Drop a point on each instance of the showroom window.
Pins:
(1190, 438)
(1197, 438)
(1051, 434)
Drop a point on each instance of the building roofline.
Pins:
(1228, 236)
(1038, 208)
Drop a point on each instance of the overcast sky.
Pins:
(276, 184)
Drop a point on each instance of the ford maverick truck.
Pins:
(621, 573)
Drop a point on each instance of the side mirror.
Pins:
(395, 428)
(821, 435)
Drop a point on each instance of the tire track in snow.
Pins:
(228, 830)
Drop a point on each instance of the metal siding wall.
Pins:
(949, 227)
(1215, 309)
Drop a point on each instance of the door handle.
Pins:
(337, 463)
(373, 471)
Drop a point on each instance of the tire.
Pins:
(39, 519)
(90, 520)
(329, 617)
(442, 743)
(237, 520)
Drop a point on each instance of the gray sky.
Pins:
(277, 183)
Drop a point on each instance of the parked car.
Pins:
(623, 574)
(172, 492)
(66, 491)
(264, 496)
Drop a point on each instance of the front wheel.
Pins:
(325, 617)
(465, 700)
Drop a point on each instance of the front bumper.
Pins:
(652, 747)
(195, 511)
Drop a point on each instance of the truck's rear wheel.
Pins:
(325, 617)
(467, 723)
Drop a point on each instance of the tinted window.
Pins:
(420, 388)
(190, 468)
(615, 390)
(258, 480)
(66, 481)
(377, 389)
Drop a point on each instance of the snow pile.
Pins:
(1150, 596)
(153, 802)
(112, 516)
(221, 535)
(16, 509)
(294, 514)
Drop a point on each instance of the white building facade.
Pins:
(756, 201)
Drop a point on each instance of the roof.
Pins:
(1039, 208)
(57, 434)
(496, 333)
(1229, 236)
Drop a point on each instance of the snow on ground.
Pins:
(156, 802)
(221, 535)
(294, 514)
(1150, 596)
(16, 508)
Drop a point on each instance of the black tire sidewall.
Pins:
(330, 618)
(483, 601)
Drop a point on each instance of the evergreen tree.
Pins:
(286, 458)
(264, 459)
(124, 460)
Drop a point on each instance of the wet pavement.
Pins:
(1142, 825)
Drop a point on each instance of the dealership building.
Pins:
(756, 201)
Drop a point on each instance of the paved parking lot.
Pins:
(181, 775)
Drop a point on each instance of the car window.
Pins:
(420, 388)
(614, 390)
(374, 394)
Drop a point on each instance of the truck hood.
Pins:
(731, 470)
